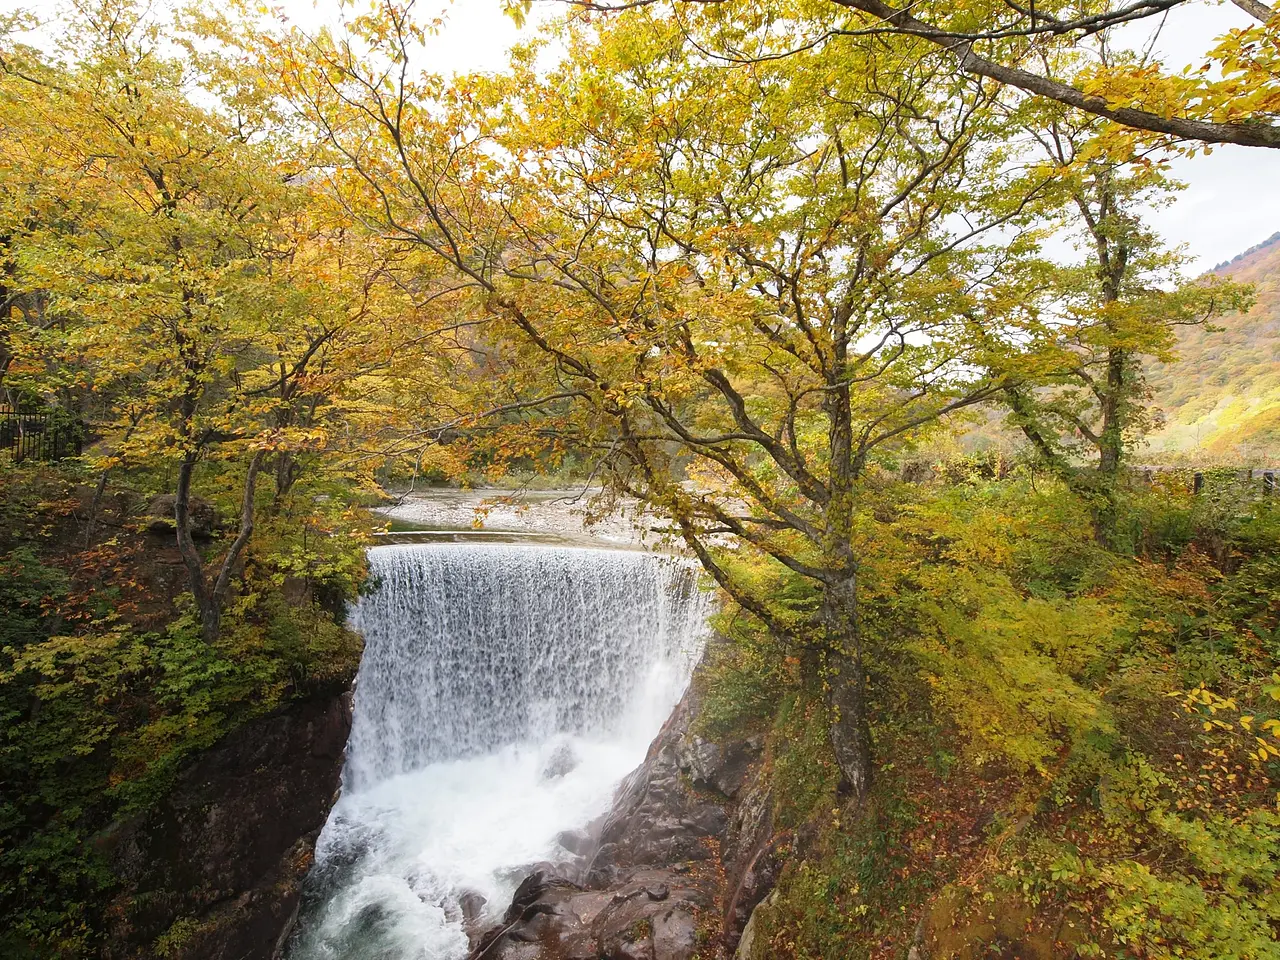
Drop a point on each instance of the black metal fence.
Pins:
(39, 434)
(1213, 481)
(1265, 480)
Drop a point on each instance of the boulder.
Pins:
(649, 918)
(753, 858)
(204, 519)
(562, 760)
(648, 880)
(656, 820)
(577, 842)
(472, 903)
(720, 767)
(752, 945)
(687, 851)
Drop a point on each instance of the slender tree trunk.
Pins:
(7, 295)
(1113, 244)
(1111, 444)
(285, 463)
(1097, 486)
(95, 505)
(1111, 439)
(223, 582)
(209, 618)
(211, 598)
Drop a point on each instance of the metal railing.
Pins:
(1265, 480)
(39, 435)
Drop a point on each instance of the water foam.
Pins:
(503, 693)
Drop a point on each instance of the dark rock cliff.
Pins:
(215, 871)
(677, 867)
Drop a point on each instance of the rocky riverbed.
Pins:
(673, 872)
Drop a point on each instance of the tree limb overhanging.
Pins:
(961, 46)
(1032, 23)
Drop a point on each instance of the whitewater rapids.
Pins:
(503, 694)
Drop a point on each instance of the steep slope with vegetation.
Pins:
(1222, 396)
(1080, 747)
(109, 692)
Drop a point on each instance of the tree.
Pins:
(1083, 410)
(1078, 392)
(208, 299)
(759, 280)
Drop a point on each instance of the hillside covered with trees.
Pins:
(1222, 397)
(739, 265)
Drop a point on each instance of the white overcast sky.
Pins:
(1232, 200)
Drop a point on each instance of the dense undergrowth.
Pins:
(1077, 746)
(107, 686)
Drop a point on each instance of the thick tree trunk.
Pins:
(843, 670)
(287, 471)
(846, 686)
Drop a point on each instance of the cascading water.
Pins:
(503, 693)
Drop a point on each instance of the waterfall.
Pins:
(503, 693)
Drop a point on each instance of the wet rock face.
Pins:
(655, 885)
(720, 767)
(755, 855)
(653, 916)
(580, 843)
(657, 820)
(216, 870)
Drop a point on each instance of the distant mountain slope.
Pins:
(1222, 397)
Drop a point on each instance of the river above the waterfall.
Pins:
(504, 692)
(564, 517)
